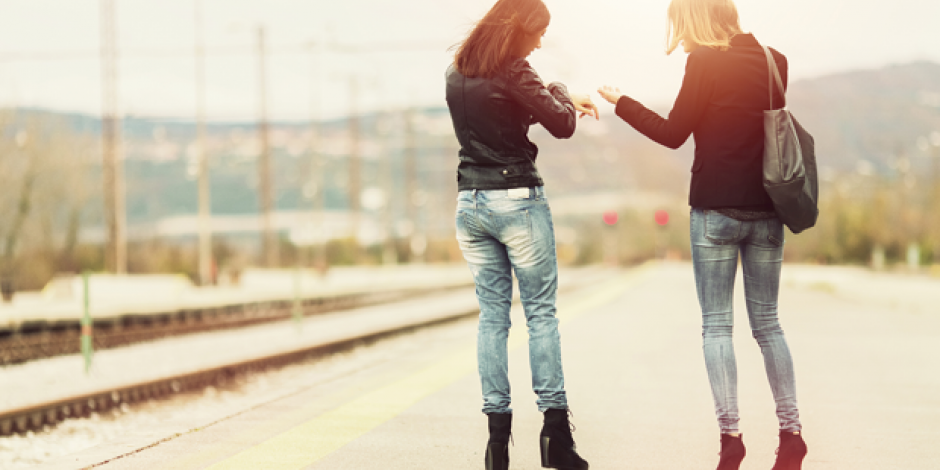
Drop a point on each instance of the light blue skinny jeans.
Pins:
(716, 242)
(500, 232)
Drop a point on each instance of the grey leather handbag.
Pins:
(789, 161)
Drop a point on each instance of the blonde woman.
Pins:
(721, 104)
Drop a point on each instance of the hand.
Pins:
(609, 93)
(584, 105)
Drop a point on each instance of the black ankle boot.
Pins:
(791, 452)
(732, 452)
(556, 443)
(497, 448)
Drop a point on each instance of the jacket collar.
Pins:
(744, 39)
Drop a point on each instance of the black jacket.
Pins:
(492, 116)
(721, 104)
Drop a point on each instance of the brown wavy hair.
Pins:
(492, 40)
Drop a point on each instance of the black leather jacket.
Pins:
(492, 116)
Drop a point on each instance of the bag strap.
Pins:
(773, 75)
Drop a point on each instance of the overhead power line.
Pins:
(246, 50)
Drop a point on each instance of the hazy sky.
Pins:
(48, 49)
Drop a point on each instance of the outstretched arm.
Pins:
(685, 115)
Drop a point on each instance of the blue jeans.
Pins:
(500, 232)
(716, 242)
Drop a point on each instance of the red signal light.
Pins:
(610, 217)
(661, 217)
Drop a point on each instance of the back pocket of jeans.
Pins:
(721, 229)
(775, 232)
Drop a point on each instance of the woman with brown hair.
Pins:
(721, 104)
(503, 221)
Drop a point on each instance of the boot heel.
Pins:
(497, 456)
(556, 444)
(543, 445)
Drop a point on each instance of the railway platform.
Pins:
(141, 295)
(631, 341)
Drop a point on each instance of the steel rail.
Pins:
(35, 417)
(42, 339)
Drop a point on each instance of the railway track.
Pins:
(35, 417)
(33, 340)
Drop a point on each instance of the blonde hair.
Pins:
(709, 23)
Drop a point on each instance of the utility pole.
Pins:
(112, 164)
(317, 163)
(389, 251)
(205, 228)
(269, 240)
(933, 144)
(416, 238)
(354, 163)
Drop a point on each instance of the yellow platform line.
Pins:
(313, 440)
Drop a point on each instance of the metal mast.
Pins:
(205, 226)
(269, 241)
(318, 163)
(112, 164)
(354, 162)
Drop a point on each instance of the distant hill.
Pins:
(873, 115)
(876, 115)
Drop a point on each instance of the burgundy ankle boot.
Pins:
(732, 452)
(791, 452)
